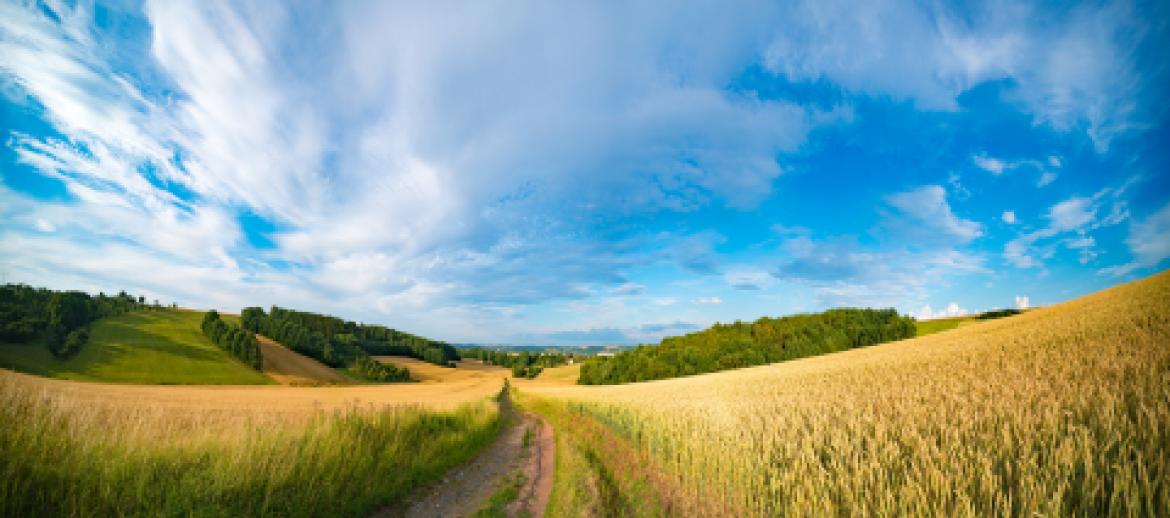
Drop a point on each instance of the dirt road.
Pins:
(468, 488)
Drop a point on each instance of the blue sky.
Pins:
(541, 172)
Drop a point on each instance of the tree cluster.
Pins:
(61, 318)
(524, 364)
(744, 344)
(240, 343)
(338, 342)
(998, 313)
(372, 370)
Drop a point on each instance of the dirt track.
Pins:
(466, 489)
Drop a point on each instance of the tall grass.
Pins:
(61, 459)
(1062, 411)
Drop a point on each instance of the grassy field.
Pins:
(929, 327)
(64, 455)
(147, 347)
(1064, 410)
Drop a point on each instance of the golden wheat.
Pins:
(1063, 410)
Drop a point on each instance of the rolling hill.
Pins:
(144, 347)
(290, 368)
(1063, 410)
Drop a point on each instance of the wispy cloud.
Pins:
(924, 213)
(414, 165)
(1148, 241)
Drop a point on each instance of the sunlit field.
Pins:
(145, 347)
(81, 449)
(1060, 411)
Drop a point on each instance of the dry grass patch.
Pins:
(463, 372)
(291, 368)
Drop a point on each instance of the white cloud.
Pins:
(1073, 69)
(1148, 241)
(997, 166)
(924, 212)
(989, 164)
(704, 301)
(45, 225)
(1079, 216)
(398, 163)
(952, 310)
(1071, 214)
(1022, 302)
(842, 272)
(1009, 217)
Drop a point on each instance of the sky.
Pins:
(584, 172)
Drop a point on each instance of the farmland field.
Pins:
(290, 368)
(147, 347)
(120, 450)
(464, 372)
(1060, 411)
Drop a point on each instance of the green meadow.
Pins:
(146, 347)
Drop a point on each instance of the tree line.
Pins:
(523, 364)
(239, 342)
(998, 313)
(60, 318)
(744, 344)
(341, 343)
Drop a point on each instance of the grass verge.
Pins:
(600, 474)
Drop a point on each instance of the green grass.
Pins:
(59, 459)
(506, 494)
(145, 347)
(927, 327)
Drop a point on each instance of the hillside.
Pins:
(290, 368)
(465, 370)
(1063, 410)
(146, 346)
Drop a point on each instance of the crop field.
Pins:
(82, 449)
(147, 347)
(290, 368)
(1060, 411)
(563, 375)
(465, 371)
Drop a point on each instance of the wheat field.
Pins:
(1060, 411)
(87, 449)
